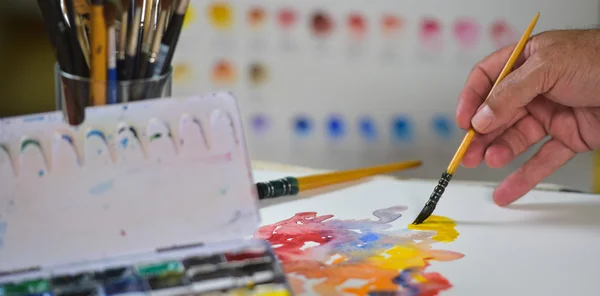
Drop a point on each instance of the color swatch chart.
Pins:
(342, 84)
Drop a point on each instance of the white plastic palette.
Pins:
(131, 179)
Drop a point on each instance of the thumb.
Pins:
(515, 91)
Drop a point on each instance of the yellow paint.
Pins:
(221, 15)
(190, 16)
(260, 292)
(596, 172)
(445, 228)
(181, 72)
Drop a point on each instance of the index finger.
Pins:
(480, 82)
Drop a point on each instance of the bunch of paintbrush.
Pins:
(112, 44)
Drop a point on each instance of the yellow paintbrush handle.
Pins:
(98, 56)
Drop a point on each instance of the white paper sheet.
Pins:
(545, 244)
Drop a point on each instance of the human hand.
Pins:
(553, 91)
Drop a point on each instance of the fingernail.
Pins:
(483, 118)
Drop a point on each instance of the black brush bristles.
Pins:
(434, 198)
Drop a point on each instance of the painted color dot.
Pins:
(223, 72)
(41, 173)
(256, 16)
(335, 127)
(430, 28)
(466, 32)
(302, 125)
(260, 122)
(357, 25)
(321, 23)
(391, 24)
(442, 126)
(258, 74)
(190, 16)
(367, 128)
(502, 34)
(181, 72)
(220, 15)
(402, 129)
(287, 18)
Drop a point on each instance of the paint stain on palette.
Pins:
(362, 257)
(190, 16)
(221, 15)
(466, 32)
(223, 72)
(502, 33)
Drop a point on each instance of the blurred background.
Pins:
(323, 83)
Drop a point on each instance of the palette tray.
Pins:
(132, 179)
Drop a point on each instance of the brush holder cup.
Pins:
(73, 94)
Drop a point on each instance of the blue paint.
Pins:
(101, 187)
(367, 129)
(404, 280)
(442, 126)
(336, 127)
(34, 118)
(41, 173)
(68, 139)
(260, 122)
(370, 237)
(96, 133)
(124, 142)
(302, 126)
(402, 129)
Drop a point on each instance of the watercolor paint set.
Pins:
(148, 198)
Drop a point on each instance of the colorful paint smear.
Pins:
(287, 18)
(502, 34)
(391, 24)
(220, 15)
(223, 72)
(256, 16)
(379, 260)
(430, 33)
(357, 25)
(466, 32)
(181, 72)
(322, 24)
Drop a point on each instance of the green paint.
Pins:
(160, 269)
(32, 287)
(29, 142)
(155, 137)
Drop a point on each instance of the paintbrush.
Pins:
(291, 185)
(447, 175)
(149, 23)
(98, 54)
(132, 45)
(123, 39)
(83, 10)
(170, 39)
(80, 64)
(150, 58)
(110, 15)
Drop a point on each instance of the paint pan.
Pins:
(39, 287)
(263, 290)
(76, 285)
(165, 278)
(121, 281)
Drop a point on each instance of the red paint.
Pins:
(244, 256)
(357, 24)
(430, 28)
(292, 238)
(123, 233)
(287, 18)
(256, 16)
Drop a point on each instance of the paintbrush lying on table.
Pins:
(291, 185)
